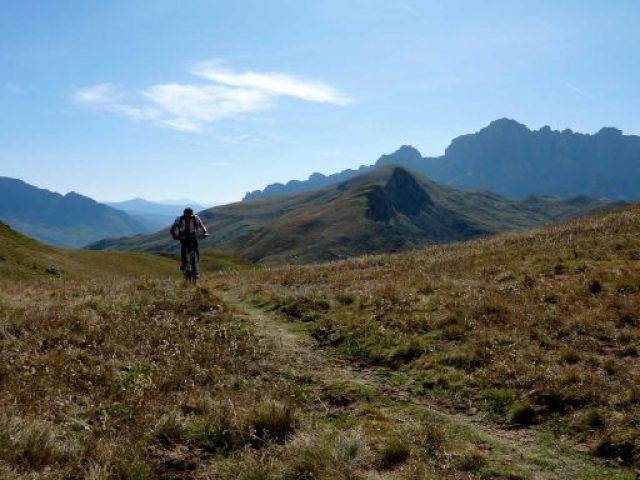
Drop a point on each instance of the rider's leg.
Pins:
(183, 254)
(196, 248)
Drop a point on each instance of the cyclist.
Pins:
(185, 228)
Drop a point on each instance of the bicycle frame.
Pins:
(192, 267)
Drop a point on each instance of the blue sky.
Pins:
(209, 99)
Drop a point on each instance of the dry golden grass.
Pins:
(537, 328)
(134, 378)
(129, 379)
(146, 379)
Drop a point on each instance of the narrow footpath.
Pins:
(532, 454)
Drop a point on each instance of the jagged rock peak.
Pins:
(405, 154)
(506, 124)
(406, 194)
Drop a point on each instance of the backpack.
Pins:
(182, 227)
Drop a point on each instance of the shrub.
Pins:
(349, 449)
(569, 355)
(499, 400)
(169, 429)
(393, 451)
(216, 437)
(595, 287)
(471, 460)
(593, 418)
(425, 288)
(270, 420)
(39, 447)
(345, 298)
(617, 449)
(522, 414)
(306, 459)
(254, 471)
(409, 350)
(131, 468)
(467, 360)
(430, 438)
(33, 445)
(304, 308)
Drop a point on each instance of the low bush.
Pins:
(393, 451)
(270, 420)
(522, 414)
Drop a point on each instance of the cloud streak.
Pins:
(192, 107)
(276, 84)
(577, 90)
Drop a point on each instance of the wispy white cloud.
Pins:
(103, 94)
(112, 98)
(277, 84)
(191, 107)
(577, 90)
(15, 88)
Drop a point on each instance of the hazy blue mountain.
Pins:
(154, 215)
(386, 209)
(508, 158)
(316, 180)
(513, 160)
(140, 205)
(70, 220)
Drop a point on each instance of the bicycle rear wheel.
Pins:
(193, 267)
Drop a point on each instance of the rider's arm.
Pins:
(174, 229)
(201, 226)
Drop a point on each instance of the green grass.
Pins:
(537, 328)
(23, 258)
(117, 370)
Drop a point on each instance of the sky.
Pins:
(208, 99)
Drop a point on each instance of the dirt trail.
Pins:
(536, 459)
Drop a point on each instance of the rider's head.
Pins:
(188, 212)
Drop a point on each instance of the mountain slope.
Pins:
(70, 220)
(23, 257)
(388, 209)
(509, 158)
(153, 215)
(539, 329)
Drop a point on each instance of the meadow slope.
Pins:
(410, 366)
(23, 258)
(537, 331)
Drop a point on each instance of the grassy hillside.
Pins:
(389, 209)
(537, 330)
(23, 258)
(117, 375)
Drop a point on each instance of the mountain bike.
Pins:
(192, 267)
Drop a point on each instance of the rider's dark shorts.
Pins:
(183, 247)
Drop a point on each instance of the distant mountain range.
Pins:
(154, 215)
(508, 158)
(383, 210)
(70, 220)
